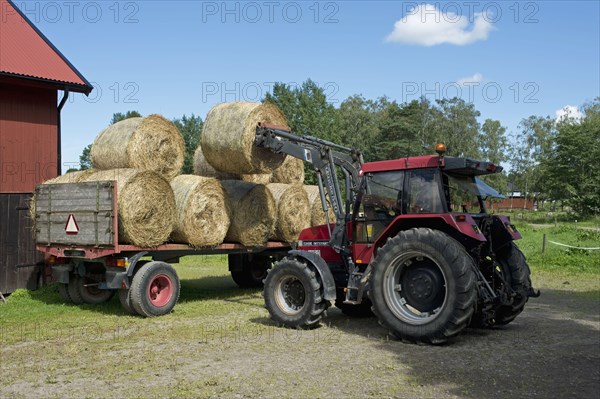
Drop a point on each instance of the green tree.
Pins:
(455, 124)
(306, 109)
(85, 161)
(308, 113)
(530, 147)
(190, 128)
(117, 117)
(571, 170)
(360, 123)
(400, 126)
(494, 149)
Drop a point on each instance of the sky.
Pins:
(512, 59)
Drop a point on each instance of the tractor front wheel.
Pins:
(423, 286)
(293, 294)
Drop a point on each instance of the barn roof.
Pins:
(26, 53)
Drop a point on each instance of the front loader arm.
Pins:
(324, 157)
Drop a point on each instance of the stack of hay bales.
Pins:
(265, 189)
(239, 193)
(142, 155)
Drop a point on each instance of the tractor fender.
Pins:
(322, 268)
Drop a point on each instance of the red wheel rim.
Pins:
(160, 290)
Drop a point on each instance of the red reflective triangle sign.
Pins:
(71, 227)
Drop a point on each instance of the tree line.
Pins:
(549, 159)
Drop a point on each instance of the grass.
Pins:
(49, 345)
(556, 258)
(549, 217)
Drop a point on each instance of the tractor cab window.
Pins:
(379, 202)
(424, 189)
(466, 193)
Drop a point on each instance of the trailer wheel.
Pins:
(74, 290)
(125, 299)
(517, 275)
(91, 294)
(293, 294)
(423, 286)
(63, 291)
(248, 273)
(155, 289)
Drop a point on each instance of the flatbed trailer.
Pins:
(77, 228)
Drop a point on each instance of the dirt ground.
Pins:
(551, 350)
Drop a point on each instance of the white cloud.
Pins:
(477, 78)
(568, 112)
(426, 25)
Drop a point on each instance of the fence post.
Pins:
(544, 243)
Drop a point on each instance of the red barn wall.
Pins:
(28, 137)
(514, 203)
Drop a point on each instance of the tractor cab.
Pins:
(420, 187)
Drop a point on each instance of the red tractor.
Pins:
(412, 243)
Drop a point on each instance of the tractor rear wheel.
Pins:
(517, 275)
(293, 294)
(423, 286)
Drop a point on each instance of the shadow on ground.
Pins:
(205, 288)
(551, 350)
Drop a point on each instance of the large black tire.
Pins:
(248, 273)
(73, 289)
(294, 294)
(125, 299)
(63, 291)
(423, 286)
(125, 294)
(154, 289)
(517, 275)
(92, 294)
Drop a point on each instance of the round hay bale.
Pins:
(202, 211)
(293, 212)
(317, 216)
(71, 177)
(203, 168)
(228, 137)
(290, 172)
(253, 211)
(257, 178)
(146, 205)
(150, 143)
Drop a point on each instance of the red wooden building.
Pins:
(32, 72)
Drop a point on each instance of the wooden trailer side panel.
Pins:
(91, 207)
